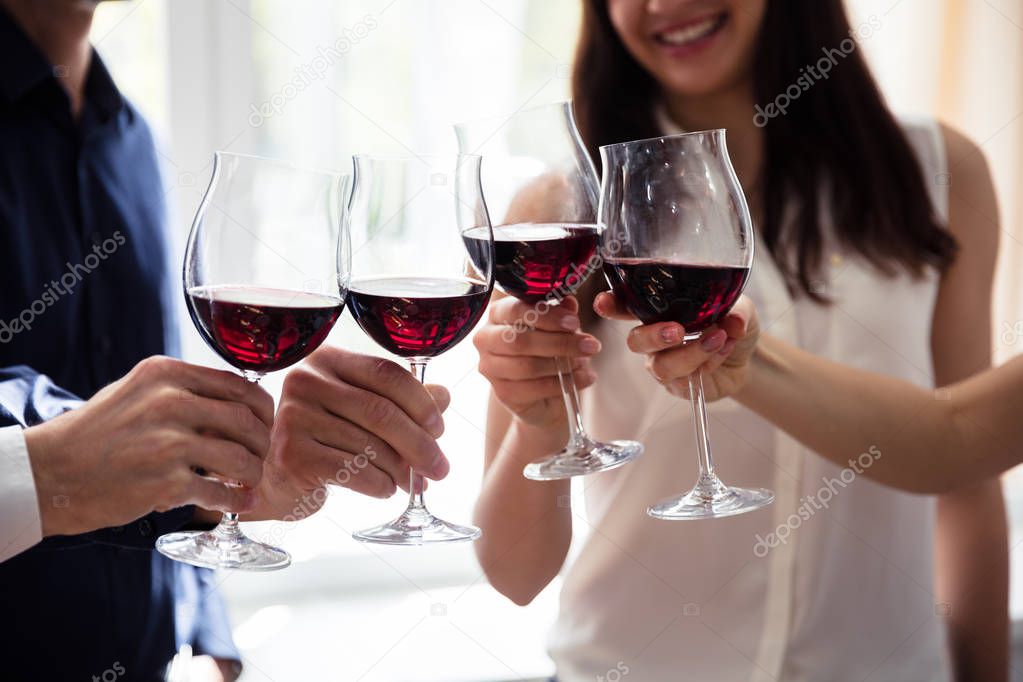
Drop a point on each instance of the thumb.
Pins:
(210, 494)
(441, 396)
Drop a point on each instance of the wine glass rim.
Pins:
(284, 163)
(659, 138)
(563, 103)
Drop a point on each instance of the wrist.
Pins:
(43, 448)
(527, 441)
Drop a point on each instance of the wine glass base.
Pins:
(417, 527)
(711, 502)
(210, 549)
(591, 458)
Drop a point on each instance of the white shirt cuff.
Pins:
(20, 524)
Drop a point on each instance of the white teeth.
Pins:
(689, 33)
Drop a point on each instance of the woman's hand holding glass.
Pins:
(723, 354)
(519, 358)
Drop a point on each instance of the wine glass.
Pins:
(678, 246)
(264, 279)
(541, 182)
(415, 290)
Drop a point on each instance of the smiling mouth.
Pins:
(692, 32)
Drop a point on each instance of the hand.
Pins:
(519, 359)
(722, 353)
(134, 447)
(352, 420)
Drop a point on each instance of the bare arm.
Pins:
(930, 441)
(971, 537)
(526, 532)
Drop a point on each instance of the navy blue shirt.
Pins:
(85, 296)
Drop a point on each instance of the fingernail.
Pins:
(570, 322)
(435, 425)
(589, 345)
(727, 348)
(670, 334)
(714, 341)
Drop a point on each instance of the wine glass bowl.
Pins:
(416, 290)
(677, 246)
(543, 188)
(264, 277)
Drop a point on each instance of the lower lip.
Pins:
(696, 46)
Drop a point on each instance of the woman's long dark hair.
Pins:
(838, 137)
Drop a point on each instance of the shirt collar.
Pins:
(25, 67)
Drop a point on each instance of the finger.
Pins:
(682, 361)
(505, 341)
(376, 413)
(545, 315)
(227, 460)
(651, 338)
(356, 472)
(344, 437)
(210, 494)
(229, 420)
(386, 379)
(607, 306)
(533, 390)
(523, 367)
(440, 395)
(221, 385)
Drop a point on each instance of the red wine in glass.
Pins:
(534, 262)
(694, 295)
(417, 317)
(262, 330)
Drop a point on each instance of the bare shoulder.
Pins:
(973, 206)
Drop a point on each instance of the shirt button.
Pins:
(104, 344)
(146, 528)
(97, 238)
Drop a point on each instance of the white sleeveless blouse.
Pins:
(835, 588)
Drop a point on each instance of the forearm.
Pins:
(972, 569)
(840, 412)
(527, 525)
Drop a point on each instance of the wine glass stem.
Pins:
(576, 432)
(700, 424)
(416, 499)
(229, 521)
